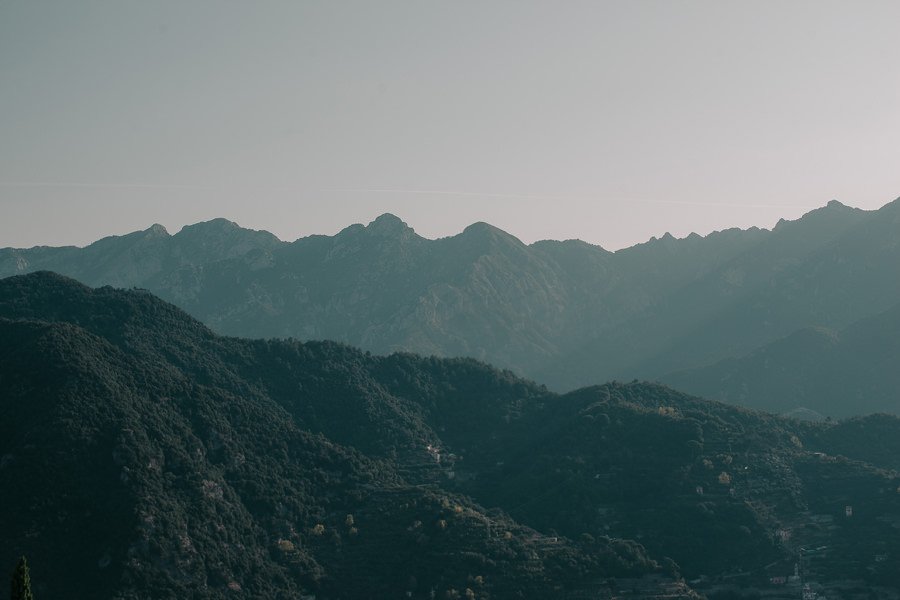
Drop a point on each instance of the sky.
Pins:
(609, 122)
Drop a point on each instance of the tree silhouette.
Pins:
(21, 582)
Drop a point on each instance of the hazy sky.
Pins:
(605, 121)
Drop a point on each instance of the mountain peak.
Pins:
(480, 227)
(388, 225)
(834, 207)
(482, 232)
(834, 213)
(666, 238)
(225, 228)
(157, 230)
(218, 225)
(485, 229)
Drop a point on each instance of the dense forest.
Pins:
(144, 456)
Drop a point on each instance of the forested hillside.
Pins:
(145, 456)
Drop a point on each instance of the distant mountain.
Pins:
(838, 374)
(564, 313)
(143, 456)
(144, 256)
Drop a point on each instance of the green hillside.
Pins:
(144, 456)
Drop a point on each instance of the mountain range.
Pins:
(565, 313)
(144, 456)
(852, 370)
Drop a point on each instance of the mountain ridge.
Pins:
(565, 313)
(836, 373)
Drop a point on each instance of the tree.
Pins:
(21, 582)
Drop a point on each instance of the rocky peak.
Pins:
(487, 232)
(213, 226)
(834, 214)
(156, 230)
(388, 225)
(222, 238)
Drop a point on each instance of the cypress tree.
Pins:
(21, 582)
